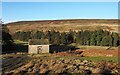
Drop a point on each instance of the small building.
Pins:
(37, 46)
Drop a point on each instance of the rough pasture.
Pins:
(54, 64)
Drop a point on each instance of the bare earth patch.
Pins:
(93, 53)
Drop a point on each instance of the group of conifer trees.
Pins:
(7, 41)
(97, 38)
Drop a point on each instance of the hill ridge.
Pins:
(64, 25)
(61, 20)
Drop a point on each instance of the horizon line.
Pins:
(56, 20)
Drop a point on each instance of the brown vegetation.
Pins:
(50, 65)
(89, 53)
(97, 52)
(64, 25)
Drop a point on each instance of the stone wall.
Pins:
(33, 49)
(59, 48)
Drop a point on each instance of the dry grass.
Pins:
(64, 25)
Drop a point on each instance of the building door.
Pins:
(39, 49)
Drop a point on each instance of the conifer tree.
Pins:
(52, 33)
(7, 41)
(98, 37)
(98, 40)
(63, 38)
(27, 36)
(115, 39)
(82, 38)
(69, 38)
(57, 38)
(48, 36)
(110, 40)
(86, 37)
(78, 38)
(105, 41)
(16, 35)
(39, 34)
(92, 39)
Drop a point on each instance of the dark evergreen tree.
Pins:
(86, 38)
(48, 36)
(7, 41)
(16, 36)
(98, 37)
(105, 41)
(98, 40)
(92, 39)
(74, 36)
(72, 33)
(27, 36)
(119, 41)
(78, 38)
(110, 40)
(82, 38)
(36, 35)
(52, 33)
(69, 38)
(22, 36)
(63, 38)
(39, 34)
(43, 36)
(115, 39)
(57, 39)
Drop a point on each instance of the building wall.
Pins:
(33, 49)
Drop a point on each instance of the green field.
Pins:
(94, 59)
(20, 42)
(94, 47)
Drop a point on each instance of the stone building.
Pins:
(37, 46)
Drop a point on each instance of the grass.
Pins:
(93, 47)
(94, 59)
(41, 54)
(96, 47)
(20, 42)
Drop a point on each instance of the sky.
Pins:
(28, 11)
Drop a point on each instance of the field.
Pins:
(42, 63)
(67, 62)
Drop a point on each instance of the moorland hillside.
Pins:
(64, 25)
